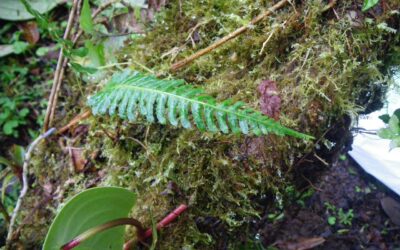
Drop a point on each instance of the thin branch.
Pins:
(75, 121)
(57, 75)
(228, 37)
(321, 160)
(25, 183)
(329, 6)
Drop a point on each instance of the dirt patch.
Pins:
(346, 197)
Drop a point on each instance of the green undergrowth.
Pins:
(324, 67)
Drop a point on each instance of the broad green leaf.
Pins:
(385, 118)
(385, 133)
(85, 19)
(20, 47)
(80, 52)
(23, 112)
(95, 53)
(14, 10)
(83, 69)
(4, 161)
(397, 113)
(18, 154)
(9, 127)
(368, 4)
(86, 210)
(394, 124)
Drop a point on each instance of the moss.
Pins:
(324, 66)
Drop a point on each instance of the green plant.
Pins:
(299, 197)
(392, 130)
(93, 218)
(23, 81)
(87, 210)
(330, 207)
(345, 218)
(172, 100)
(332, 220)
(369, 4)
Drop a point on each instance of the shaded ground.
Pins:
(340, 188)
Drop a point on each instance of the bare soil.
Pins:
(345, 186)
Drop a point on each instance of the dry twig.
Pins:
(228, 37)
(329, 6)
(75, 121)
(25, 183)
(61, 63)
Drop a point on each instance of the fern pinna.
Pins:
(133, 93)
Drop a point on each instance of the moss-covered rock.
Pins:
(326, 63)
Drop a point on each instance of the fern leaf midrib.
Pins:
(215, 107)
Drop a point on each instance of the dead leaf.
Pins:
(301, 243)
(270, 102)
(48, 188)
(30, 32)
(78, 160)
(392, 209)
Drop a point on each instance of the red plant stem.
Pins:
(124, 221)
(167, 220)
(163, 223)
(95, 230)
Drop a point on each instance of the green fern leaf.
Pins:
(133, 93)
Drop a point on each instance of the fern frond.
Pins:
(132, 93)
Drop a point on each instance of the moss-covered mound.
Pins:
(326, 62)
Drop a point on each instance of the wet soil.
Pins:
(341, 186)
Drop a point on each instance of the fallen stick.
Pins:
(25, 183)
(228, 37)
(75, 121)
